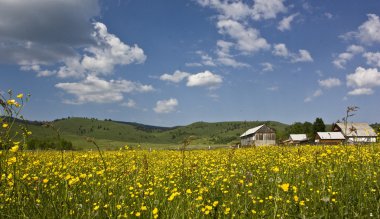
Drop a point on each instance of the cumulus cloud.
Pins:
(285, 23)
(367, 33)
(130, 104)
(247, 39)
(266, 9)
(96, 90)
(176, 77)
(99, 58)
(330, 82)
(341, 60)
(373, 58)
(166, 106)
(205, 79)
(267, 66)
(316, 93)
(235, 9)
(363, 81)
(364, 78)
(238, 10)
(44, 32)
(302, 55)
(360, 91)
(280, 50)
(224, 57)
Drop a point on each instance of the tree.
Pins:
(318, 126)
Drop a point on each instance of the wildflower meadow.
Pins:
(260, 182)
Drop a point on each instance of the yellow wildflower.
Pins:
(14, 149)
(20, 96)
(285, 187)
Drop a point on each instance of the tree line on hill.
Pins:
(308, 128)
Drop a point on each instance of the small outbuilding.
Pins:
(331, 138)
(355, 132)
(260, 135)
(296, 139)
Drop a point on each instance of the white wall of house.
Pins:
(361, 139)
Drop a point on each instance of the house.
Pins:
(332, 138)
(296, 139)
(355, 132)
(260, 135)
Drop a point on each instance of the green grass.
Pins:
(113, 135)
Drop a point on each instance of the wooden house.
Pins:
(296, 139)
(331, 138)
(356, 132)
(260, 135)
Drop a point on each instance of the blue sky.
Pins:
(177, 62)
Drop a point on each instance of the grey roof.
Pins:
(251, 131)
(298, 137)
(331, 135)
(357, 129)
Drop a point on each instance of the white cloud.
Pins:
(280, 50)
(238, 10)
(373, 58)
(206, 59)
(267, 66)
(110, 51)
(330, 82)
(328, 15)
(361, 91)
(97, 90)
(302, 56)
(224, 56)
(234, 9)
(266, 9)
(130, 104)
(176, 77)
(364, 78)
(367, 33)
(205, 78)
(316, 93)
(344, 57)
(285, 23)
(97, 59)
(166, 106)
(248, 39)
(273, 88)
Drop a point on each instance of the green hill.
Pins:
(114, 134)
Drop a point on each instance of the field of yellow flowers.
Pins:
(307, 181)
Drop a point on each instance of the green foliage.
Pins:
(318, 126)
(44, 144)
(112, 134)
(300, 128)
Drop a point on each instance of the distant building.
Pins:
(331, 138)
(356, 132)
(296, 139)
(260, 135)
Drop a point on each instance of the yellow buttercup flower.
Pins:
(14, 149)
(285, 187)
(20, 96)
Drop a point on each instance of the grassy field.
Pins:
(113, 135)
(262, 182)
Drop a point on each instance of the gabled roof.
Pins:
(356, 129)
(298, 137)
(251, 131)
(331, 135)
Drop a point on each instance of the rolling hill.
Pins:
(114, 134)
